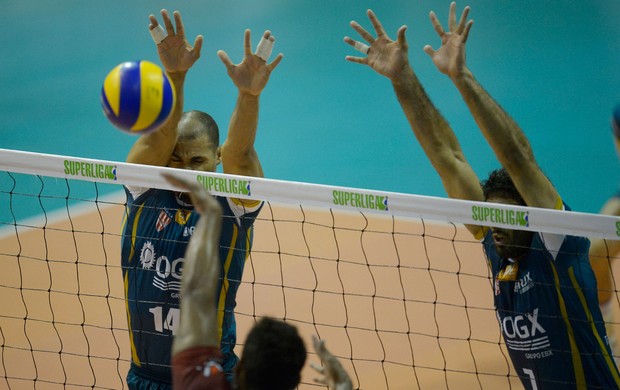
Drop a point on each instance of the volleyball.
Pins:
(137, 97)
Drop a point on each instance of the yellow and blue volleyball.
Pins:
(137, 97)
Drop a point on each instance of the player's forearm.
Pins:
(198, 324)
(238, 153)
(157, 147)
(501, 132)
(430, 128)
(243, 124)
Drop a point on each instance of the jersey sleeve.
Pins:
(244, 207)
(553, 241)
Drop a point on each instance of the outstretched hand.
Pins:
(450, 57)
(175, 52)
(251, 75)
(332, 374)
(384, 56)
(202, 200)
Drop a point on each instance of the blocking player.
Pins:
(544, 287)
(158, 223)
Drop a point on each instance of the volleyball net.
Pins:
(393, 282)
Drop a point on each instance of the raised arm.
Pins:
(390, 59)
(177, 56)
(201, 270)
(503, 134)
(250, 77)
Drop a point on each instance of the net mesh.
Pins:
(403, 302)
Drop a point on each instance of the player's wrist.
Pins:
(461, 76)
(249, 95)
(402, 77)
(177, 77)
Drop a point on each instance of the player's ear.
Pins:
(218, 155)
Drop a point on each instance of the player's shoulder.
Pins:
(240, 207)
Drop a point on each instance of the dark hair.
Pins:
(500, 184)
(194, 124)
(273, 356)
(615, 121)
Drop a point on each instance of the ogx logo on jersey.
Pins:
(167, 275)
(525, 333)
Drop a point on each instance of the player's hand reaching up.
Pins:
(385, 56)
(175, 52)
(450, 57)
(202, 200)
(251, 75)
(332, 373)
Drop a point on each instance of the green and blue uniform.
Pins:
(547, 306)
(156, 229)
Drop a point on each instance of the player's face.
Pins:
(510, 243)
(198, 154)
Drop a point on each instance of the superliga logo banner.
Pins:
(90, 169)
(360, 200)
(226, 185)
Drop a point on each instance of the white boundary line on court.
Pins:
(318, 195)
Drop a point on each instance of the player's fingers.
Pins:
(401, 38)
(321, 350)
(275, 62)
(452, 17)
(376, 23)
(357, 60)
(225, 60)
(317, 368)
(153, 21)
(247, 45)
(179, 23)
(197, 46)
(362, 32)
(315, 341)
(265, 46)
(462, 22)
(176, 180)
(350, 41)
(357, 45)
(167, 22)
(157, 32)
(170, 178)
(466, 31)
(436, 25)
(429, 50)
(321, 381)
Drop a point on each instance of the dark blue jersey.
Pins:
(156, 229)
(547, 306)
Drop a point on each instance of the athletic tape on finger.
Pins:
(158, 34)
(361, 47)
(263, 50)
